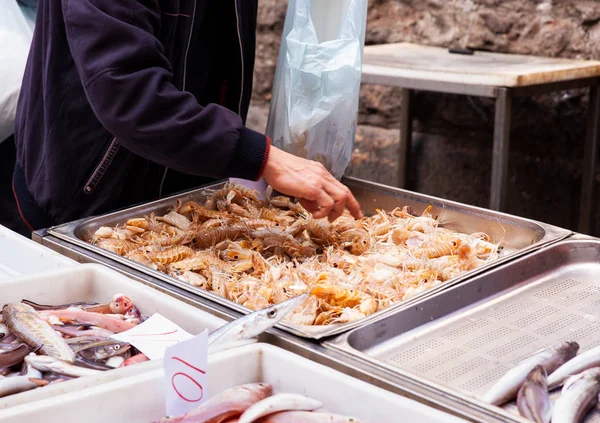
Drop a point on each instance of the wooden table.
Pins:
(500, 76)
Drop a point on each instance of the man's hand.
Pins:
(316, 189)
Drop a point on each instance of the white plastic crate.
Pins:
(140, 399)
(22, 256)
(92, 282)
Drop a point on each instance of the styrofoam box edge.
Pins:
(21, 256)
(100, 284)
(140, 399)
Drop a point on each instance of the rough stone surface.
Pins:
(452, 151)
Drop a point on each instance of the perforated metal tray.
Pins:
(517, 235)
(461, 340)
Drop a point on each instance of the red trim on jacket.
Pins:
(19, 206)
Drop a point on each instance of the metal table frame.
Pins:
(502, 122)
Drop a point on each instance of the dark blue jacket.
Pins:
(124, 101)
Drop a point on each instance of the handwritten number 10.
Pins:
(185, 375)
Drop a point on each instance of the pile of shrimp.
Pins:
(258, 253)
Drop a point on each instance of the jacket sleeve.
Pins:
(127, 80)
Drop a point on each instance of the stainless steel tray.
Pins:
(461, 340)
(519, 236)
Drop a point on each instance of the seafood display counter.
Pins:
(456, 345)
(460, 226)
(21, 256)
(519, 239)
(277, 370)
(88, 285)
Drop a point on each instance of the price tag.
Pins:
(186, 381)
(154, 336)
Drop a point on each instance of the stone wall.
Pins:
(452, 151)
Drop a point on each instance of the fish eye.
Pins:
(272, 313)
(117, 347)
(236, 257)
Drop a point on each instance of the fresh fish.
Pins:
(577, 364)
(278, 403)
(549, 358)
(103, 349)
(253, 324)
(307, 417)
(75, 332)
(104, 321)
(90, 364)
(533, 400)
(52, 377)
(14, 384)
(24, 322)
(50, 364)
(578, 397)
(13, 356)
(226, 405)
(120, 304)
(43, 307)
(78, 341)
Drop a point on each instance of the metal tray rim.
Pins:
(67, 231)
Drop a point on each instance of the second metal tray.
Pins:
(460, 341)
(518, 236)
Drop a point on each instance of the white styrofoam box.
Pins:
(140, 399)
(22, 256)
(92, 282)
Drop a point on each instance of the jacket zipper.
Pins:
(102, 167)
(187, 49)
(239, 31)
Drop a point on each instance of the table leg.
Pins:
(405, 138)
(590, 158)
(501, 150)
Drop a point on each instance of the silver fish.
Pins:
(533, 400)
(308, 417)
(226, 405)
(578, 364)
(578, 396)
(46, 363)
(549, 358)
(26, 323)
(15, 384)
(102, 350)
(278, 403)
(10, 357)
(253, 324)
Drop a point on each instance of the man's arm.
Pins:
(127, 80)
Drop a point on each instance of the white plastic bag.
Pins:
(314, 105)
(16, 31)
